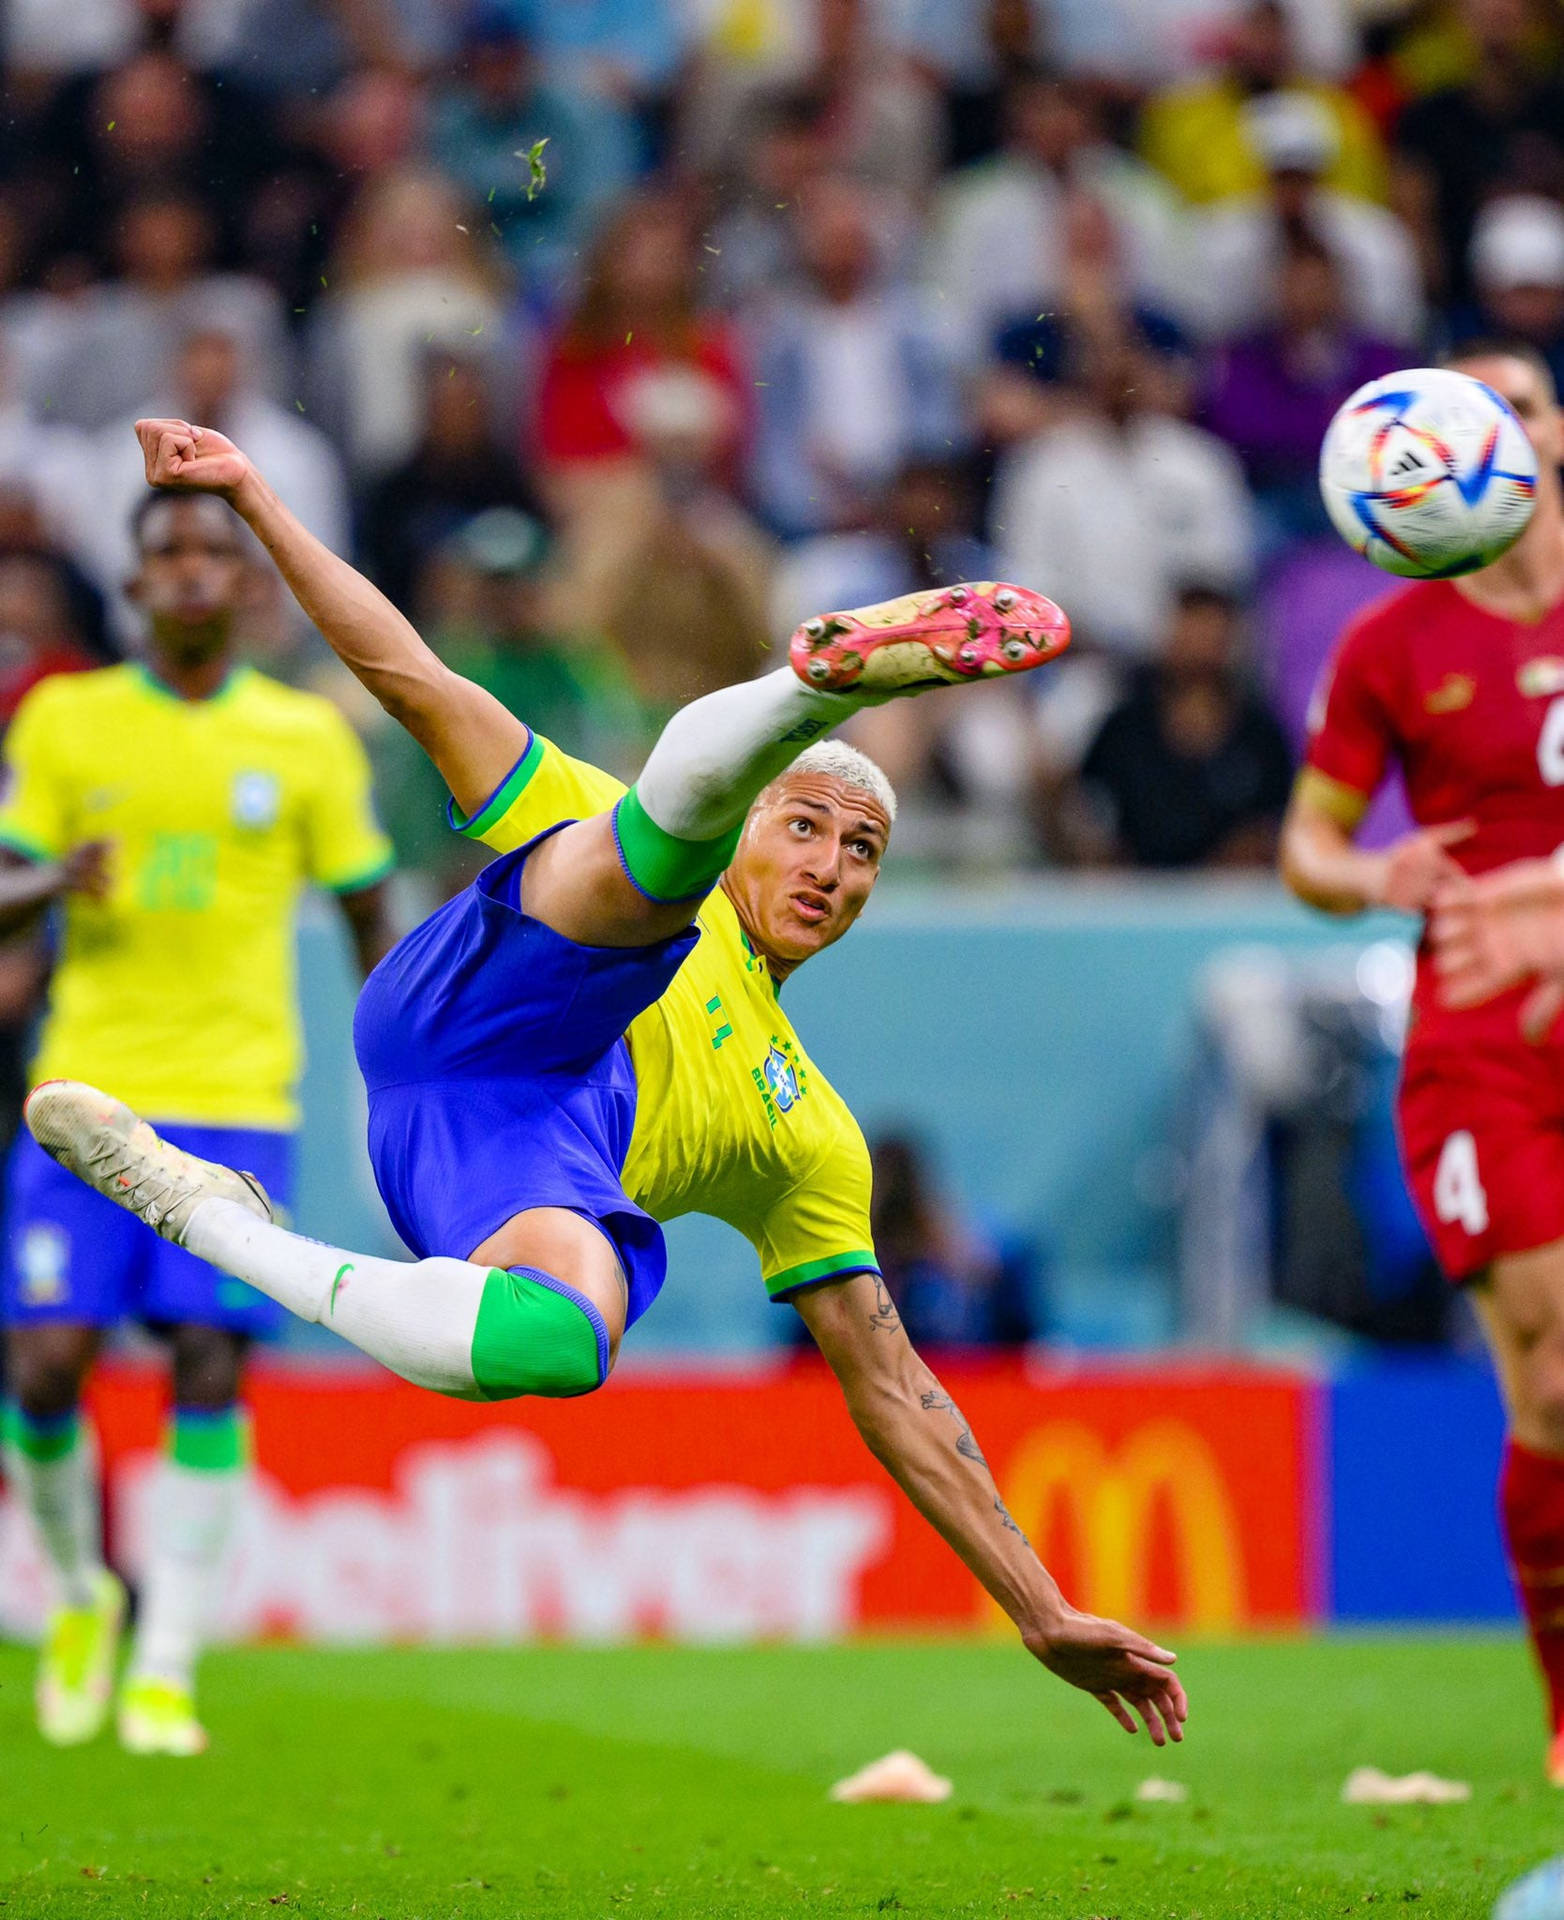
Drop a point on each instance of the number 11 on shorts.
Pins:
(1458, 1189)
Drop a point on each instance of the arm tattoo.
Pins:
(885, 1318)
(1005, 1519)
(938, 1401)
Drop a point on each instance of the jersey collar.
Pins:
(230, 684)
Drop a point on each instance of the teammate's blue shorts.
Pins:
(499, 1078)
(71, 1255)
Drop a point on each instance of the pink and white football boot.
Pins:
(936, 638)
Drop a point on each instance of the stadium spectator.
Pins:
(1202, 135)
(1120, 441)
(458, 468)
(627, 50)
(486, 122)
(880, 110)
(409, 273)
(1238, 244)
(953, 1285)
(38, 631)
(25, 534)
(208, 382)
(114, 346)
(1518, 271)
(854, 373)
(1271, 395)
(749, 239)
(1000, 230)
(1191, 769)
(1499, 129)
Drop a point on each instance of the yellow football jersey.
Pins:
(732, 1117)
(176, 992)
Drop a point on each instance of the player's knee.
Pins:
(1541, 1416)
(536, 1334)
(46, 1376)
(207, 1365)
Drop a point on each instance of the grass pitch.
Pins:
(679, 1782)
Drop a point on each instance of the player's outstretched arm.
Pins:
(914, 1428)
(470, 737)
(29, 887)
(1323, 866)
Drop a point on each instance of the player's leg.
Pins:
(1521, 1304)
(636, 876)
(471, 1331)
(67, 1257)
(195, 1504)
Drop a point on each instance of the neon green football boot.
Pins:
(76, 1670)
(158, 1716)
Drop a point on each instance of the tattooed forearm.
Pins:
(885, 1318)
(1005, 1519)
(938, 1401)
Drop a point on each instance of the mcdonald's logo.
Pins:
(1066, 1469)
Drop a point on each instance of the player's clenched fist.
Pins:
(197, 459)
(1415, 868)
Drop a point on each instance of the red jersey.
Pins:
(1471, 707)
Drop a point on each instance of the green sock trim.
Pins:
(536, 1335)
(45, 1440)
(664, 868)
(212, 1440)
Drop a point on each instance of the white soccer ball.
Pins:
(1539, 1896)
(1428, 473)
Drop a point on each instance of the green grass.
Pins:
(664, 1781)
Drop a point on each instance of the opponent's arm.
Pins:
(916, 1431)
(1326, 869)
(469, 735)
(366, 910)
(29, 887)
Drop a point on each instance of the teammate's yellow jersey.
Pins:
(732, 1117)
(176, 992)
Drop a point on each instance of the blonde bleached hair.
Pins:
(851, 766)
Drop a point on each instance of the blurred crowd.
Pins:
(613, 337)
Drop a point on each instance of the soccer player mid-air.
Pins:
(589, 1039)
(176, 808)
(1460, 683)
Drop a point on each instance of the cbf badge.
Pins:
(782, 1079)
(256, 800)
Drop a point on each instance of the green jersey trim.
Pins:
(368, 877)
(814, 1273)
(20, 843)
(504, 796)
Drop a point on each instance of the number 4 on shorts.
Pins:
(1458, 1187)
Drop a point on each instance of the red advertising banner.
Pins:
(728, 1507)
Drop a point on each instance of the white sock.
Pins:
(193, 1513)
(415, 1317)
(716, 754)
(62, 1497)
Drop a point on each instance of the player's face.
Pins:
(807, 864)
(1527, 392)
(191, 576)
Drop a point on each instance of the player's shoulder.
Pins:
(75, 696)
(295, 710)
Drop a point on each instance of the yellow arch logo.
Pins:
(1066, 1468)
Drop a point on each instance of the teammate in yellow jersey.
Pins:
(175, 809)
(589, 1039)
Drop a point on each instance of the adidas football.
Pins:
(1428, 473)
(1539, 1896)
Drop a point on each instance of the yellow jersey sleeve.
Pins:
(543, 789)
(345, 847)
(819, 1230)
(35, 814)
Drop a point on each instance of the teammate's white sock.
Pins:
(193, 1513)
(415, 1317)
(53, 1465)
(715, 755)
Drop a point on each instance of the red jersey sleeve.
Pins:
(1352, 730)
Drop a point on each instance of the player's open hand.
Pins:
(193, 459)
(1491, 933)
(1416, 867)
(1122, 1668)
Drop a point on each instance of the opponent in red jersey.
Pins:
(1461, 684)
